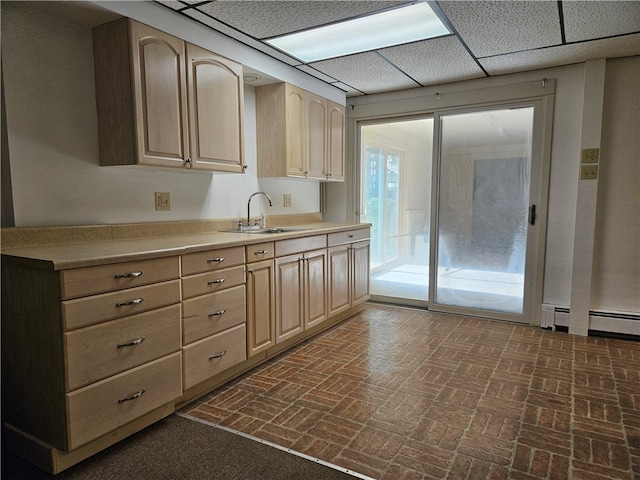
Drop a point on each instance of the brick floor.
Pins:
(399, 394)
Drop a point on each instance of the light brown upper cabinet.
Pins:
(299, 134)
(164, 102)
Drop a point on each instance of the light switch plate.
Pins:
(590, 155)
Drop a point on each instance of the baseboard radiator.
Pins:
(599, 321)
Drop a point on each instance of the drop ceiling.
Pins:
(489, 37)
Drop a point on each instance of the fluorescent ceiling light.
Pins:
(392, 27)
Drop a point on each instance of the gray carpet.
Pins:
(181, 448)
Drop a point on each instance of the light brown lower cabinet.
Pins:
(348, 266)
(90, 355)
(261, 306)
(301, 292)
(88, 350)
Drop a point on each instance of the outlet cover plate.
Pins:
(590, 155)
(163, 201)
(589, 172)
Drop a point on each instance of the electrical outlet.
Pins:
(163, 201)
(589, 172)
(590, 155)
(286, 199)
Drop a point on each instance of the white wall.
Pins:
(616, 263)
(53, 142)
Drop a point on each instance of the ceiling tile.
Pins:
(438, 60)
(586, 20)
(563, 55)
(496, 27)
(263, 19)
(367, 72)
(220, 27)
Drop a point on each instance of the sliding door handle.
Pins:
(532, 215)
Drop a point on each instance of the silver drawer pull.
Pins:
(350, 236)
(137, 341)
(131, 397)
(135, 301)
(212, 282)
(261, 252)
(217, 259)
(128, 275)
(218, 313)
(218, 355)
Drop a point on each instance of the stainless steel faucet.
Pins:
(249, 205)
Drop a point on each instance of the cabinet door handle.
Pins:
(261, 252)
(135, 301)
(350, 236)
(137, 341)
(128, 275)
(213, 282)
(217, 259)
(131, 397)
(218, 313)
(218, 355)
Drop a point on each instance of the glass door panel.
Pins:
(483, 201)
(395, 197)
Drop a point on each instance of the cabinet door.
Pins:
(335, 142)
(159, 96)
(216, 103)
(296, 141)
(289, 297)
(315, 288)
(316, 135)
(339, 274)
(261, 307)
(360, 272)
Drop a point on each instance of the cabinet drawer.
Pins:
(213, 313)
(211, 282)
(212, 260)
(99, 308)
(260, 251)
(102, 350)
(106, 405)
(349, 236)
(208, 357)
(304, 244)
(80, 282)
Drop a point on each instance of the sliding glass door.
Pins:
(483, 210)
(468, 214)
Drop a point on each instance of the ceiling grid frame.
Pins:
(498, 37)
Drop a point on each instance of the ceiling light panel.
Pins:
(586, 20)
(379, 30)
(434, 61)
(498, 27)
(262, 19)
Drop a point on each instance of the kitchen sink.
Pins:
(265, 230)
